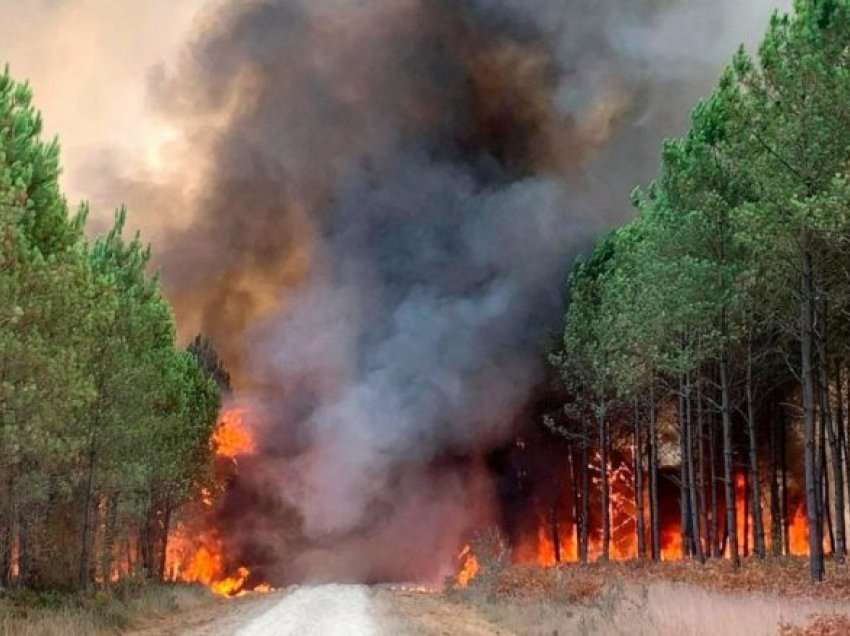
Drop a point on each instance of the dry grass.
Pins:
(668, 598)
(825, 625)
(97, 614)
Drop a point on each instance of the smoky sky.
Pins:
(391, 195)
(375, 206)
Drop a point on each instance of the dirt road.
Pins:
(356, 610)
(329, 610)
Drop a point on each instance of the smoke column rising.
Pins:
(390, 194)
(371, 207)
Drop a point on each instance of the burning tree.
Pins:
(724, 293)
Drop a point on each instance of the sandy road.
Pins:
(328, 610)
(661, 608)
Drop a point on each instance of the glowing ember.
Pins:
(469, 568)
(232, 437)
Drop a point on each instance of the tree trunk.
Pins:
(692, 482)
(654, 520)
(809, 429)
(86, 509)
(728, 479)
(824, 510)
(684, 499)
(640, 529)
(605, 504)
(783, 480)
(842, 441)
(585, 494)
(755, 481)
(845, 436)
(837, 464)
(166, 525)
(109, 538)
(7, 532)
(746, 511)
(704, 532)
(775, 502)
(25, 569)
(575, 483)
(712, 483)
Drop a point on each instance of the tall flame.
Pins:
(199, 557)
(232, 436)
(469, 566)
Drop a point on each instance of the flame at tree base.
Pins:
(199, 556)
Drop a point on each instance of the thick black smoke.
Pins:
(386, 195)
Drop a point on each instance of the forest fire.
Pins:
(232, 437)
(199, 557)
(469, 566)
(553, 537)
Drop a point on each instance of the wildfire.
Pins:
(469, 566)
(198, 557)
(232, 436)
(547, 543)
(798, 533)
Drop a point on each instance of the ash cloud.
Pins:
(385, 197)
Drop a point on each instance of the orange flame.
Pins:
(199, 558)
(232, 436)
(798, 533)
(469, 568)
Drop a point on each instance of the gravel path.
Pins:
(326, 610)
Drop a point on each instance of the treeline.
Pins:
(726, 304)
(105, 424)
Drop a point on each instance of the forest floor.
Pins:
(770, 598)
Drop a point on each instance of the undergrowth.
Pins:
(97, 613)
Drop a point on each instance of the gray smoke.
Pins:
(390, 192)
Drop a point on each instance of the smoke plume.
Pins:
(374, 210)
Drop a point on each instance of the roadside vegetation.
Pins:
(98, 613)
(725, 308)
(105, 424)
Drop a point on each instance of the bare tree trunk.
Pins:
(783, 480)
(746, 511)
(844, 466)
(7, 533)
(704, 530)
(654, 520)
(574, 491)
(585, 494)
(86, 509)
(845, 437)
(816, 564)
(712, 482)
(824, 510)
(166, 526)
(25, 569)
(728, 479)
(605, 503)
(684, 498)
(834, 425)
(640, 528)
(692, 482)
(755, 481)
(775, 501)
(109, 538)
